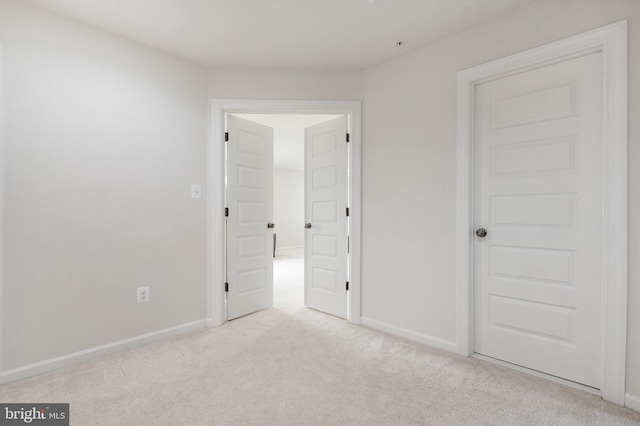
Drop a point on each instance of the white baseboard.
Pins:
(76, 357)
(409, 334)
(290, 247)
(632, 402)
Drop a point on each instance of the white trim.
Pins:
(76, 357)
(611, 40)
(409, 334)
(290, 247)
(632, 402)
(215, 200)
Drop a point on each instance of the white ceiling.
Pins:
(288, 136)
(297, 34)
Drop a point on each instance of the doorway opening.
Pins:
(216, 189)
(288, 203)
(288, 279)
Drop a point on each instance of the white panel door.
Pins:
(250, 203)
(326, 251)
(538, 194)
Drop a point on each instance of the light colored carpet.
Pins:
(293, 366)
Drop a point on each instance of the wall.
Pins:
(103, 138)
(286, 84)
(409, 210)
(1, 200)
(288, 207)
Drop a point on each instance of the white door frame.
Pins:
(215, 200)
(611, 41)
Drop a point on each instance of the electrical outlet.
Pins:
(144, 294)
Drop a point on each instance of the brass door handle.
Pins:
(307, 225)
(270, 225)
(481, 232)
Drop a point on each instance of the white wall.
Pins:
(286, 84)
(409, 165)
(103, 138)
(288, 207)
(1, 201)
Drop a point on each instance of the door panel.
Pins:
(538, 192)
(326, 256)
(250, 201)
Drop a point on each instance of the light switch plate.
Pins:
(196, 191)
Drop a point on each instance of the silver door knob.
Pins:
(481, 232)
(270, 225)
(307, 225)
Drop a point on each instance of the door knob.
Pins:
(481, 232)
(307, 225)
(270, 225)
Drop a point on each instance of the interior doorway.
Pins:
(289, 233)
(217, 246)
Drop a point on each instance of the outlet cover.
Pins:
(144, 294)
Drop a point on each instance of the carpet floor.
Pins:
(289, 365)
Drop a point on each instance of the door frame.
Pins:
(611, 41)
(216, 246)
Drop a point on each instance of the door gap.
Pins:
(287, 296)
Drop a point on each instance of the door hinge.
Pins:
(347, 285)
(226, 212)
(347, 211)
(226, 137)
(348, 137)
(226, 287)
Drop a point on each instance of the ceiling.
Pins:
(294, 34)
(288, 136)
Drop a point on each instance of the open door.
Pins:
(326, 245)
(250, 213)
